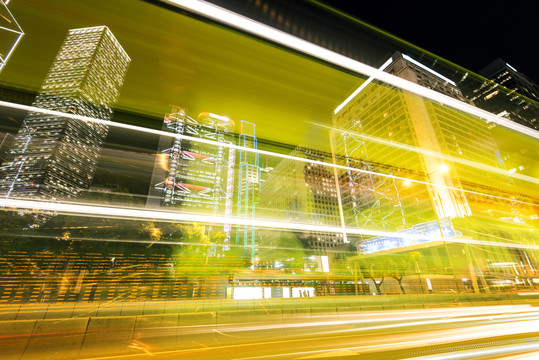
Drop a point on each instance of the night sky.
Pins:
(468, 33)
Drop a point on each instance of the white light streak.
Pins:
(406, 57)
(432, 153)
(267, 32)
(361, 87)
(154, 215)
(237, 147)
(510, 67)
(219, 117)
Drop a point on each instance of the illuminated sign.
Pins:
(425, 232)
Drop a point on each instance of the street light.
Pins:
(443, 168)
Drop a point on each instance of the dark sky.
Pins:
(469, 33)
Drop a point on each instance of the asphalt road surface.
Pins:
(482, 332)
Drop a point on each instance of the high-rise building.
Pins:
(10, 33)
(54, 157)
(301, 192)
(385, 135)
(505, 92)
(193, 175)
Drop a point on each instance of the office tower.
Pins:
(54, 157)
(192, 175)
(505, 92)
(305, 193)
(10, 34)
(384, 133)
(248, 186)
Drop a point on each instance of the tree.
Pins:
(395, 266)
(400, 264)
(375, 268)
(151, 231)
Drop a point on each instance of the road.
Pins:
(482, 332)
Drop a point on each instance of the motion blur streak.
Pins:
(432, 338)
(258, 151)
(419, 150)
(498, 350)
(266, 32)
(462, 328)
(139, 214)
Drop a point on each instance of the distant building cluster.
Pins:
(505, 92)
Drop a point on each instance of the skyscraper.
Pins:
(505, 92)
(193, 175)
(54, 157)
(386, 133)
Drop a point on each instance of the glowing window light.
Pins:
(492, 94)
(267, 32)
(286, 292)
(247, 293)
(325, 263)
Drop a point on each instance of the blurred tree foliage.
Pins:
(396, 266)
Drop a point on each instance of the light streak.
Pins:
(470, 354)
(510, 67)
(432, 153)
(417, 63)
(154, 215)
(361, 87)
(237, 147)
(267, 32)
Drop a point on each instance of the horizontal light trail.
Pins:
(493, 243)
(407, 340)
(402, 319)
(238, 147)
(155, 215)
(156, 242)
(267, 32)
(495, 350)
(426, 339)
(432, 153)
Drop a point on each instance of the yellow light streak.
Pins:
(267, 32)
(432, 153)
(154, 215)
(237, 147)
